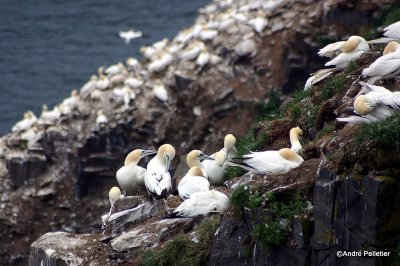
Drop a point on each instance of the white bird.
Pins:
(201, 203)
(129, 35)
(191, 52)
(31, 136)
(389, 33)
(147, 51)
(247, 47)
(130, 177)
(385, 67)
(215, 169)
(132, 63)
(113, 195)
(374, 106)
(203, 58)
(160, 91)
(101, 119)
(89, 86)
(49, 117)
(229, 146)
(115, 69)
(349, 50)
(28, 120)
(259, 23)
(70, 103)
(195, 157)
(161, 62)
(124, 94)
(319, 76)
(192, 182)
(268, 162)
(208, 34)
(134, 82)
(157, 179)
(103, 82)
(294, 135)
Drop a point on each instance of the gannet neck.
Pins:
(195, 171)
(192, 158)
(288, 154)
(294, 138)
(133, 157)
(220, 157)
(114, 194)
(391, 47)
(229, 142)
(44, 108)
(362, 106)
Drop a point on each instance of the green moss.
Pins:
(293, 107)
(352, 66)
(181, 251)
(332, 86)
(270, 110)
(269, 235)
(238, 199)
(383, 135)
(254, 201)
(329, 128)
(251, 142)
(233, 172)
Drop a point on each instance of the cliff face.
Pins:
(61, 182)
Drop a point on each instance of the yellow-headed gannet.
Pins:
(134, 82)
(349, 50)
(294, 135)
(162, 60)
(113, 195)
(389, 33)
(385, 67)
(201, 203)
(157, 179)
(129, 35)
(192, 182)
(191, 51)
(28, 120)
(49, 117)
(130, 177)
(112, 70)
(70, 103)
(124, 94)
(247, 47)
(160, 91)
(195, 157)
(376, 105)
(103, 82)
(132, 63)
(215, 169)
(31, 136)
(269, 162)
(208, 34)
(203, 58)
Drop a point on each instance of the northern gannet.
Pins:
(203, 58)
(134, 82)
(195, 157)
(349, 50)
(157, 178)
(132, 63)
(103, 82)
(374, 106)
(229, 149)
(49, 117)
(160, 91)
(162, 60)
(130, 177)
(113, 195)
(201, 203)
(28, 120)
(318, 76)
(124, 94)
(112, 70)
(31, 136)
(70, 103)
(89, 86)
(294, 135)
(259, 23)
(389, 33)
(385, 67)
(268, 162)
(192, 182)
(191, 52)
(215, 169)
(101, 119)
(247, 47)
(208, 34)
(129, 35)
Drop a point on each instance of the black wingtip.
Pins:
(172, 216)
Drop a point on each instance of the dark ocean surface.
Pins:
(49, 47)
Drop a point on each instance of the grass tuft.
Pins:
(270, 110)
(332, 86)
(382, 134)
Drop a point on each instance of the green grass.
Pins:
(233, 172)
(325, 131)
(181, 251)
(238, 200)
(384, 135)
(353, 65)
(294, 107)
(275, 232)
(269, 111)
(332, 86)
(251, 142)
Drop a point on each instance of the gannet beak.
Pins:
(203, 157)
(148, 152)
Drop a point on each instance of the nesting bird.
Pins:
(28, 120)
(157, 179)
(49, 117)
(130, 177)
(294, 135)
(192, 182)
(385, 67)
(101, 119)
(346, 51)
(201, 203)
(215, 169)
(379, 103)
(195, 157)
(160, 91)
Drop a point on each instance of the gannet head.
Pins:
(219, 157)
(195, 171)
(229, 142)
(294, 135)
(352, 44)
(93, 78)
(296, 131)
(114, 194)
(195, 156)
(136, 155)
(166, 152)
(362, 105)
(100, 71)
(288, 154)
(391, 47)
(74, 93)
(29, 114)
(44, 108)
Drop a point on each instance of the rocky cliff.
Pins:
(344, 196)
